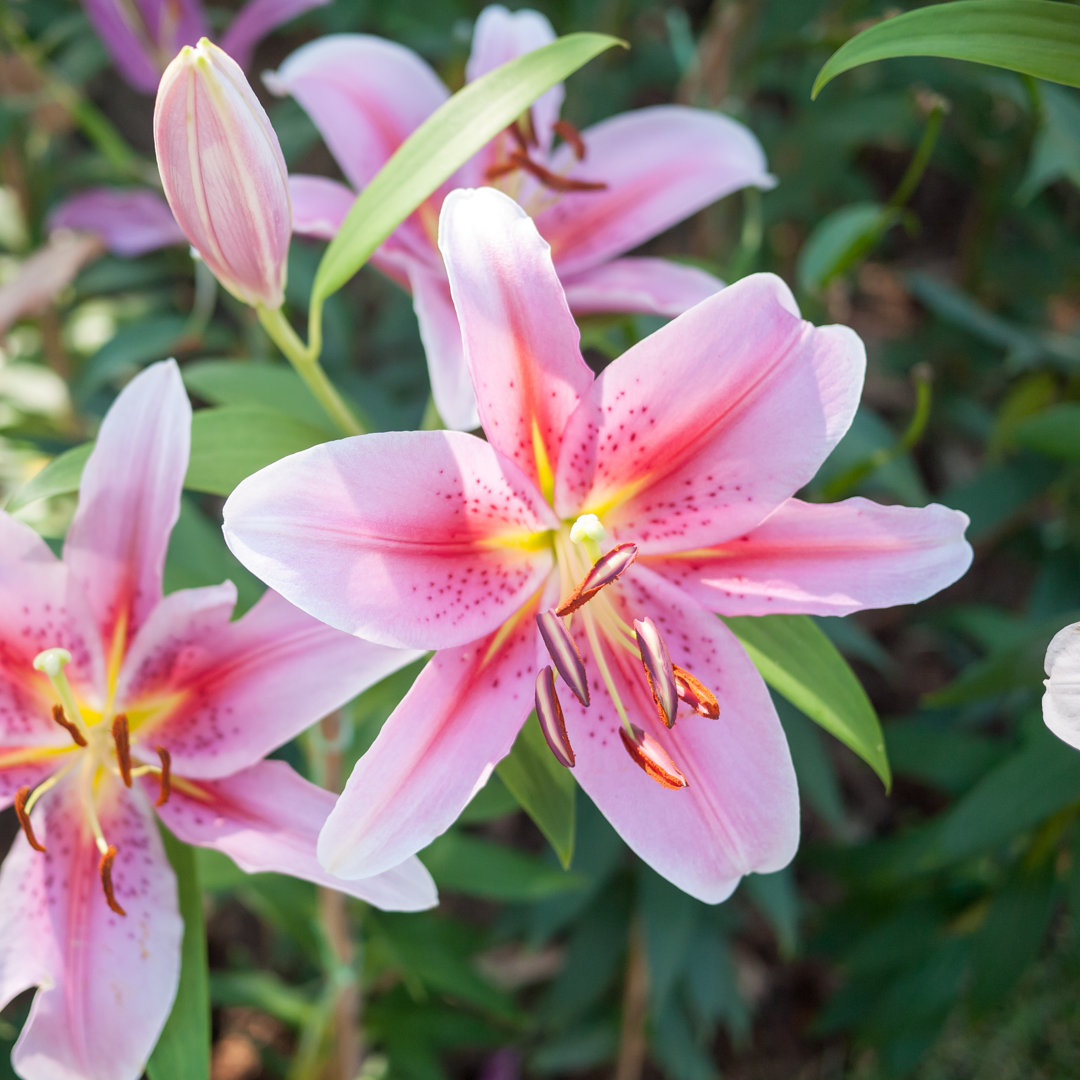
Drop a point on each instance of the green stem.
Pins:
(913, 174)
(305, 361)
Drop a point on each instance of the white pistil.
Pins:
(590, 533)
(51, 664)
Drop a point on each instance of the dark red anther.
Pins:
(24, 818)
(564, 654)
(59, 718)
(695, 693)
(658, 669)
(122, 739)
(549, 713)
(652, 758)
(571, 136)
(604, 571)
(553, 180)
(105, 873)
(166, 776)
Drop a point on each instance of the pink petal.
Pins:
(319, 205)
(27, 766)
(41, 278)
(440, 331)
(416, 539)
(268, 818)
(500, 36)
(521, 342)
(701, 430)
(130, 221)
(44, 609)
(1061, 702)
(256, 19)
(435, 752)
(739, 812)
(106, 982)
(694, 157)
(243, 687)
(364, 94)
(129, 499)
(638, 284)
(144, 35)
(828, 560)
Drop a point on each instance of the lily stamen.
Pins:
(122, 738)
(549, 713)
(652, 758)
(605, 570)
(695, 693)
(108, 857)
(24, 818)
(571, 136)
(564, 654)
(658, 669)
(59, 718)
(166, 775)
(51, 663)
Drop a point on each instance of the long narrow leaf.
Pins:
(1034, 37)
(441, 145)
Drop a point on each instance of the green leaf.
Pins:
(442, 144)
(1033, 37)
(470, 865)
(183, 1051)
(798, 661)
(544, 789)
(1054, 432)
(840, 240)
(233, 441)
(253, 382)
(60, 477)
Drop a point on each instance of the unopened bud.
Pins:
(223, 173)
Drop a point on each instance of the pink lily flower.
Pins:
(142, 36)
(593, 534)
(116, 702)
(595, 196)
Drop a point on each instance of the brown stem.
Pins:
(631, 1060)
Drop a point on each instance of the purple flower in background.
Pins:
(597, 195)
(143, 36)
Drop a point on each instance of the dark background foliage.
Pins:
(927, 932)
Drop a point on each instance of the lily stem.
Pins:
(305, 361)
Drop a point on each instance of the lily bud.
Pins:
(223, 173)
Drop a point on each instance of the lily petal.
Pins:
(242, 688)
(639, 284)
(144, 36)
(1061, 702)
(45, 609)
(828, 559)
(417, 539)
(106, 982)
(694, 158)
(267, 818)
(699, 432)
(435, 752)
(500, 36)
(739, 812)
(521, 342)
(319, 205)
(256, 19)
(129, 499)
(440, 331)
(364, 94)
(130, 221)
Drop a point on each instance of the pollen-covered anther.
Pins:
(605, 570)
(105, 866)
(122, 738)
(549, 713)
(652, 758)
(658, 669)
(59, 718)
(695, 693)
(166, 775)
(564, 654)
(571, 136)
(24, 818)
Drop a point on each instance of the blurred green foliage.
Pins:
(948, 906)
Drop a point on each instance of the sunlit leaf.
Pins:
(1034, 37)
(798, 661)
